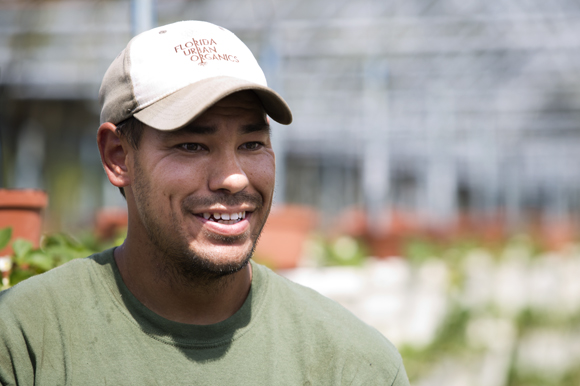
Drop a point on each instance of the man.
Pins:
(185, 136)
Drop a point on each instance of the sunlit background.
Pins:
(429, 181)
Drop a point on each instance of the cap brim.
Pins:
(183, 106)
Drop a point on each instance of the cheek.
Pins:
(176, 176)
(262, 174)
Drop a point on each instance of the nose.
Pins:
(227, 174)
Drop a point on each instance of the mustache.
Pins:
(222, 198)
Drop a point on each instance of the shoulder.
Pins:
(327, 324)
(50, 301)
(314, 307)
(38, 314)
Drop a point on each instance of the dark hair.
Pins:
(131, 129)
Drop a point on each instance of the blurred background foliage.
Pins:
(54, 250)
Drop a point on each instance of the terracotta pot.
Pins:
(21, 209)
(110, 221)
(282, 240)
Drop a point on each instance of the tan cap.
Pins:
(166, 77)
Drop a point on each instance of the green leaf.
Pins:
(21, 247)
(18, 274)
(5, 236)
(65, 253)
(41, 261)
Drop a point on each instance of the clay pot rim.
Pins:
(23, 198)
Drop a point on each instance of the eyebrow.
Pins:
(198, 129)
(252, 128)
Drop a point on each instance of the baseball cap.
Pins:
(168, 76)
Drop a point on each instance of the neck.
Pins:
(159, 287)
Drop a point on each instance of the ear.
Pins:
(114, 154)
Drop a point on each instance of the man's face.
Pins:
(203, 193)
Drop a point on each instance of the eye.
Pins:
(252, 145)
(191, 146)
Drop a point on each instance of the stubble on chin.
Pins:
(179, 264)
(186, 267)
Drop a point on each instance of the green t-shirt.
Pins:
(79, 325)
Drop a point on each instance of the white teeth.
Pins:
(225, 218)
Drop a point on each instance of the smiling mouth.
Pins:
(224, 218)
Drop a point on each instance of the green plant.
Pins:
(450, 341)
(5, 261)
(5, 236)
(345, 250)
(55, 249)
